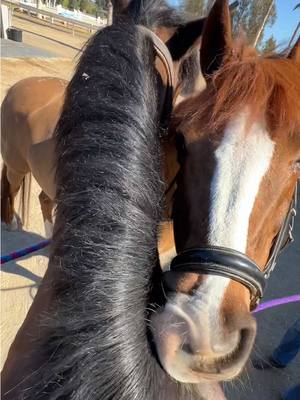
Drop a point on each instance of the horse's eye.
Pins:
(297, 166)
(180, 146)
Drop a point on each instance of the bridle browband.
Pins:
(234, 264)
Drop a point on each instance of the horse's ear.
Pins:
(185, 38)
(216, 39)
(294, 54)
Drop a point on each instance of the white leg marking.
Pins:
(48, 229)
(14, 224)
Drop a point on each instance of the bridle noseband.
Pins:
(234, 264)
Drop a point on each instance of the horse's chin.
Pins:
(184, 371)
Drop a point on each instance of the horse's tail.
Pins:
(25, 198)
(6, 198)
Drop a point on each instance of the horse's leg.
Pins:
(11, 182)
(47, 208)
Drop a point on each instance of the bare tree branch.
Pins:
(259, 32)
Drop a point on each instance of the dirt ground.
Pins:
(56, 39)
(20, 278)
(15, 69)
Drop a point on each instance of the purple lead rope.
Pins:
(24, 252)
(264, 306)
(277, 302)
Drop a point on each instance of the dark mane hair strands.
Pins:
(104, 244)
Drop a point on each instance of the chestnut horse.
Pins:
(31, 109)
(109, 191)
(238, 146)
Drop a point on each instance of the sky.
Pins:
(285, 24)
(286, 21)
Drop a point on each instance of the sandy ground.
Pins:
(14, 69)
(20, 278)
(58, 40)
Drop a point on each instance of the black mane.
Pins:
(104, 245)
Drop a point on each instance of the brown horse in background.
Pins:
(32, 107)
(29, 114)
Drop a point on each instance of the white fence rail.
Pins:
(54, 16)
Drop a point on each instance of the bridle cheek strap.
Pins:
(284, 237)
(225, 262)
(165, 57)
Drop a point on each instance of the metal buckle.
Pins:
(270, 269)
(254, 302)
(291, 225)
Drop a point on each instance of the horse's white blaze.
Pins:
(242, 159)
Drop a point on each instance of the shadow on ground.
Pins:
(272, 324)
(13, 241)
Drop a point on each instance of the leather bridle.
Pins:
(164, 55)
(218, 260)
(236, 265)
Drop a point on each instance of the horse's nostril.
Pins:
(228, 344)
(187, 349)
(191, 346)
(239, 351)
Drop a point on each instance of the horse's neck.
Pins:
(23, 359)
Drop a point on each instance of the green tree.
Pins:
(269, 45)
(195, 7)
(87, 6)
(73, 4)
(250, 15)
(64, 3)
(101, 4)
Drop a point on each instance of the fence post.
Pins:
(38, 6)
